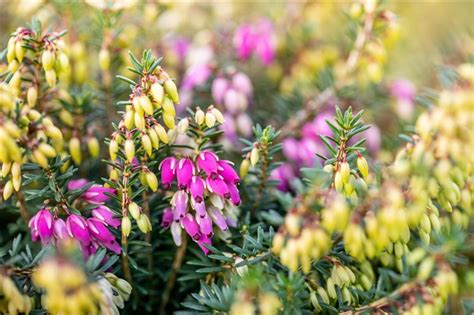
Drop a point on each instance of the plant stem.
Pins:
(177, 262)
(23, 209)
(146, 210)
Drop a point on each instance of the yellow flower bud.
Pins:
(13, 66)
(139, 120)
(338, 184)
(168, 120)
(277, 243)
(6, 169)
(129, 148)
(66, 117)
(155, 140)
(146, 104)
(144, 223)
(244, 168)
(161, 132)
(48, 59)
(126, 226)
(75, 150)
(210, 120)
(157, 92)
(363, 166)
(199, 117)
(53, 132)
(171, 90)
(113, 149)
(51, 77)
(183, 126)
(19, 50)
(134, 210)
(11, 50)
(168, 107)
(8, 190)
(63, 62)
(425, 268)
(152, 181)
(32, 96)
(93, 146)
(254, 156)
(345, 171)
(146, 144)
(128, 117)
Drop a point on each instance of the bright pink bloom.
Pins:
(167, 218)
(256, 38)
(41, 226)
(241, 82)
(284, 174)
(77, 183)
(218, 186)
(218, 218)
(234, 194)
(104, 214)
(200, 208)
(191, 227)
(180, 204)
(205, 225)
(95, 194)
(99, 231)
(207, 162)
(196, 188)
(184, 172)
(204, 240)
(227, 172)
(77, 228)
(167, 168)
(196, 75)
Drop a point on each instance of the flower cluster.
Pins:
(90, 233)
(256, 38)
(72, 292)
(207, 195)
(13, 301)
(233, 92)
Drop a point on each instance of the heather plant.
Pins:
(258, 167)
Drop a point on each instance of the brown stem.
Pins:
(262, 177)
(177, 262)
(23, 208)
(126, 266)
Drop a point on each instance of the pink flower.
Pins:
(284, 174)
(218, 89)
(181, 47)
(204, 240)
(196, 75)
(200, 208)
(184, 172)
(207, 162)
(180, 204)
(191, 227)
(291, 148)
(227, 172)
(167, 218)
(256, 38)
(106, 216)
(41, 226)
(205, 225)
(99, 231)
(77, 228)
(95, 194)
(404, 92)
(196, 188)
(218, 218)
(241, 82)
(234, 194)
(60, 229)
(218, 186)
(167, 168)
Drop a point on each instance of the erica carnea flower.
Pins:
(404, 93)
(96, 194)
(41, 226)
(256, 38)
(207, 195)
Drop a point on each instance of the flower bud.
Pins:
(32, 96)
(157, 92)
(51, 77)
(345, 171)
(8, 190)
(134, 210)
(278, 243)
(63, 62)
(47, 59)
(6, 167)
(126, 226)
(40, 159)
(254, 156)
(425, 268)
(152, 181)
(128, 118)
(11, 50)
(168, 120)
(146, 104)
(183, 126)
(129, 148)
(338, 184)
(144, 223)
(363, 166)
(75, 150)
(244, 168)
(210, 120)
(113, 149)
(171, 90)
(146, 144)
(53, 132)
(155, 140)
(139, 120)
(168, 107)
(104, 59)
(219, 117)
(199, 117)
(161, 132)
(19, 50)
(93, 146)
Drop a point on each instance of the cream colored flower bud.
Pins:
(128, 117)
(183, 126)
(161, 132)
(113, 149)
(363, 166)
(144, 223)
(171, 90)
(338, 183)
(134, 210)
(292, 224)
(157, 92)
(104, 59)
(254, 156)
(345, 171)
(168, 107)
(210, 120)
(244, 168)
(8, 190)
(168, 120)
(19, 50)
(146, 144)
(63, 62)
(6, 167)
(40, 159)
(66, 117)
(129, 148)
(426, 266)
(139, 120)
(32, 96)
(51, 77)
(126, 226)
(278, 243)
(152, 181)
(199, 116)
(93, 146)
(47, 59)
(219, 117)
(146, 104)
(11, 50)
(75, 150)
(155, 140)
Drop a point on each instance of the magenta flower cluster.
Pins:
(234, 93)
(91, 233)
(257, 38)
(207, 195)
